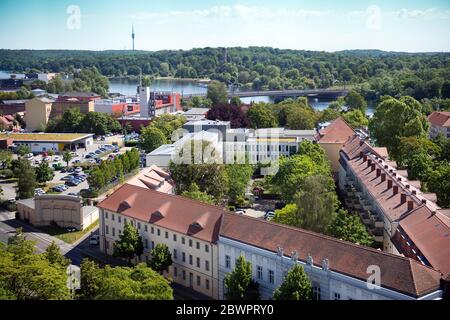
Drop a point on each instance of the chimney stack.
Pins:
(407, 186)
(410, 205)
(402, 198)
(424, 201)
(380, 161)
(395, 190)
(389, 184)
(378, 172)
(386, 166)
(372, 167)
(383, 177)
(399, 179)
(414, 192)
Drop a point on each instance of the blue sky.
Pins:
(183, 24)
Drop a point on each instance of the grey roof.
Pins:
(27, 202)
(196, 111)
(79, 94)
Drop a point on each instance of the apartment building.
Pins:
(403, 219)
(439, 123)
(189, 228)
(37, 113)
(338, 270)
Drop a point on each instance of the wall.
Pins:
(111, 225)
(332, 150)
(37, 113)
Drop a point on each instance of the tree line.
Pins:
(258, 68)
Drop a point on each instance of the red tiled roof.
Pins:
(154, 178)
(397, 273)
(431, 235)
(337, 132)
(178, 213)
(440, 118)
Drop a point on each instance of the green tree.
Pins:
(26, 179)
(168, 123)
(238, 177)
(356, 119)
(152, 138)
(295, 286)
(96, 179)
(239, 282)
(137, 283)
(129, 244)
(67, 156)
(354, 100)
(217, 92)
(260, 116)
(439, 183)
(5, 158)
(316, 204)
(394, 119)
(22, 150)
(44, 172)
(161, 258)
(91, 280)
(54, 256)
(193, 192)
(349, 227)
(294, 170)
(235, 101)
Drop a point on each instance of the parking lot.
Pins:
(100, 150)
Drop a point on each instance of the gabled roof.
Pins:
(430, 232)
(168, 211)
(154, 178)
(398, 273)
(337, 132)
(440, 118)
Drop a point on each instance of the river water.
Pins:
(129, 87)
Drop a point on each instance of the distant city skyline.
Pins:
(409, 26)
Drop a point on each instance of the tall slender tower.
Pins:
(132, 35)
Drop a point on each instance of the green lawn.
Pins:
(69, 237)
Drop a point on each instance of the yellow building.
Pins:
(37, 113)
(332, 139)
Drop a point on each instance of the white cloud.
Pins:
(430, 13)
(236, 11)
(373, 21)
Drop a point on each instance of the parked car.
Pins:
(71, 169)
(73, 183)
(239, 211)
(94, 240)
(57, 189)
(74, 154)
(78, 169)
(72, 194)
(77, 161)
(56, 158)
(71, 229)
(98, 151)
(67, 178)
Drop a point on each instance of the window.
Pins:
(271, 277)
(158, 232)
(207, 265)
(316, 291)
(113, 231)
(337, 296)
(174, 237)
(184, 274)
(207, 284)
(139, 225)
(112, 216)
(259, 272)
(175, 253)
(198, 262)
(106, 214)
(206, 248)
(145, 228)
(107, 230)
(190, 259)
(175, 272)
(153, 245)
(120, 232)
(198, 280)
(124, 220)
(190, 242)
(183, 257)
(167, 235)
(198, 245)
(183, 240)
(119, 218)
(227, 262)
(146, 243)
(152, 230)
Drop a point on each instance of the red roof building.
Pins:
(439, 123)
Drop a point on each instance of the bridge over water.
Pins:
(316, 93)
